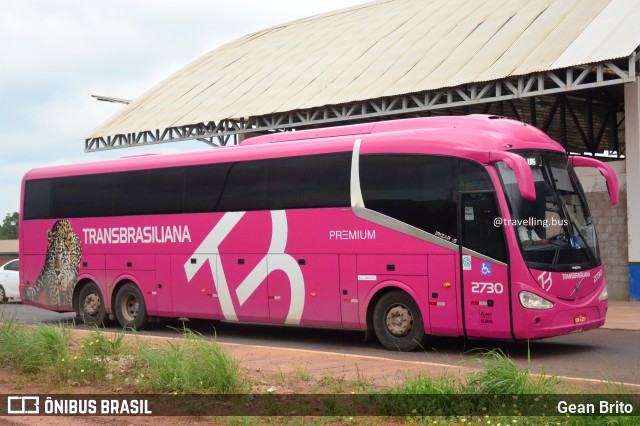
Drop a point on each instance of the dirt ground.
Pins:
(268, 370)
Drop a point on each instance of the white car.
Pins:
(9, 281)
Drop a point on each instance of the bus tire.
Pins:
(130, 308)
(91, 305)
(397, 322)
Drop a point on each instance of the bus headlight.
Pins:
(533, 301)
(604, 295)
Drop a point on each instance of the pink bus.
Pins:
(474, 226)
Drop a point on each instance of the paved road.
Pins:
(612, 355)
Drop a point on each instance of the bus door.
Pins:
(485, 274)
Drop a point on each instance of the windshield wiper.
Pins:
(557, 243)
(587, 249)
(556, 256)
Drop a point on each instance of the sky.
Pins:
(56, 54)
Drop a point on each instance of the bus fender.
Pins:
(382, 287)
(87, 277)
(117, 283)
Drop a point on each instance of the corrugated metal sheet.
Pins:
(614, 33)
(383, 48)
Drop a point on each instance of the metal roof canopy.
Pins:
(593, 39)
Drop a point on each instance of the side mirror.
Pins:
(520, 168)
(605, 170)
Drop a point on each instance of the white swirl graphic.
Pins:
(275, 260)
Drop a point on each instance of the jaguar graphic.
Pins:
(61, 266)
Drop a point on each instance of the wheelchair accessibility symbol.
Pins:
(485, 268)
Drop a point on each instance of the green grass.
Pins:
(498, 376)
(195, 364)
(501, 375)
(303, 374)
(189, 365)
(32, 350)
(98, 358)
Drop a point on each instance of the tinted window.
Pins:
(204, 187)
(416, 189)
(309, 181)
(11, 266)
(83, 196)
(473, 177)
(479, 232)
(296, 182)
(158, 191)
(244, 187)
(37, 199)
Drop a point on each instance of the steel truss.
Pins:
(588, 122)
(227, 131)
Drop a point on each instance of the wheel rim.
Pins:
(1, 294)
(92, 304)
(129, 307)
(399, 321)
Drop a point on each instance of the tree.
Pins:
(9, 227)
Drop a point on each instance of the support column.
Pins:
(632, 154)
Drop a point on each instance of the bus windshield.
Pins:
(556, 231)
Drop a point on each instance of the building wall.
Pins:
(8, 250)
(611, 227)
(4, 258)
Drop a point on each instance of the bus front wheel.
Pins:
(397, 322)
(90, 305)
(130, 308)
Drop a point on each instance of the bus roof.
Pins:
(477, 122)
(452, 135)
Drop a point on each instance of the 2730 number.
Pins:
(489, 288)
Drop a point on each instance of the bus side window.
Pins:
(203, 187)
(156, 191)
(83, 196)
(245, 187)
(37, 199)
(420, 190)
(479, 231)
(473, 177)
(312, 181)
(479, 210)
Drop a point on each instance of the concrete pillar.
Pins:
(632, 154)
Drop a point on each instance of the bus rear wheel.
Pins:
(131, 311)
(397, 322)
(90, 305)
